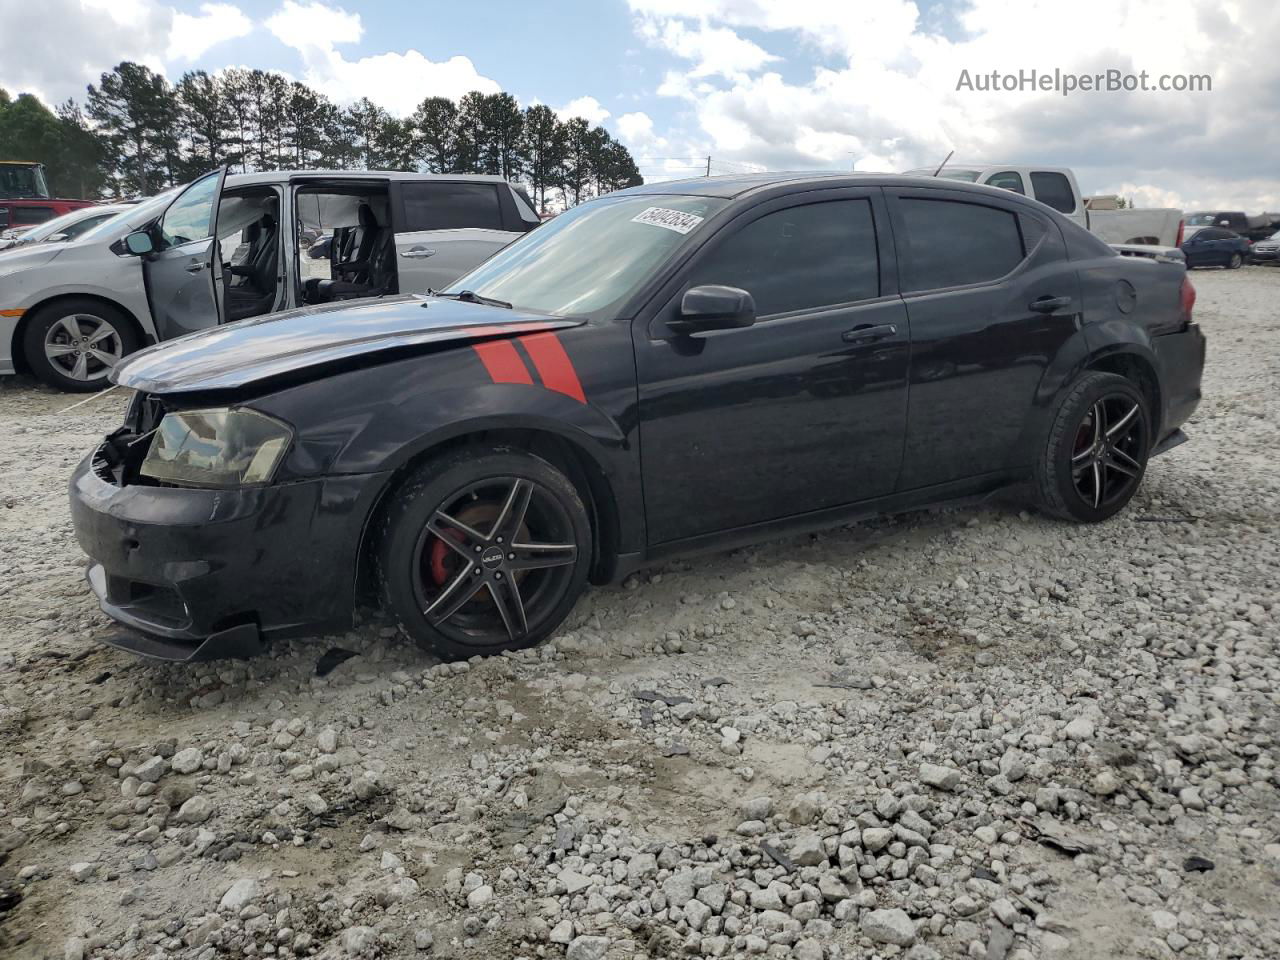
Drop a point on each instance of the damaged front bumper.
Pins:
(206, 574)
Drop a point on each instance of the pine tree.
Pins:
(543, 148)
(136, 110)
(435, 130)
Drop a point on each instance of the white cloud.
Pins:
(395, 81)
(53, 48)
(589, 108)
(714, 50)
(216, 23)
(884, 94)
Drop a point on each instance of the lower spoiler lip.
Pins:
(1177, 438)
(236, 643)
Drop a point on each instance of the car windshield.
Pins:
(138, 214)
(589, 260)
(22, 180)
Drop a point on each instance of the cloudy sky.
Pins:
(777, 84)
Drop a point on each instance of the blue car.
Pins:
(1215, 247)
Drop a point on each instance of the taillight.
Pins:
(1181, 224)
(1188, 299)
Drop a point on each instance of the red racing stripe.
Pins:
(502, 361)
(553, 364)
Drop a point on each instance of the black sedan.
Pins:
(663, 370)
(1215, 247)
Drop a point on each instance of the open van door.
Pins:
(183, 271)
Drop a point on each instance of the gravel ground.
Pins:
(974, 733)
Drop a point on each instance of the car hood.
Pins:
(316, 339)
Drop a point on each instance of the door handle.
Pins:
(870, 334)
(1048, 304)
(196, 267)
(417, 253)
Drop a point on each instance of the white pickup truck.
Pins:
(1057, 187)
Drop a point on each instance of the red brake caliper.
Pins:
(439, 553)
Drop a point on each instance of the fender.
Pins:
(441, 397)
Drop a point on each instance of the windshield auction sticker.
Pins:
(668, 219)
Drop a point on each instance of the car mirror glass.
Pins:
(139, 243)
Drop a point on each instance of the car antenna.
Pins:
(944, 162)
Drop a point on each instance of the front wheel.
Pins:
(74, 344)
(1096, 453)
(1235, 262)
(484, 550)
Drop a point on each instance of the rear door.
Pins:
(183, 273)
(446, 227)
(991, 299)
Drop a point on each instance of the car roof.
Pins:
(281, 176)
(731, 186)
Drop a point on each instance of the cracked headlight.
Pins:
(234, 447)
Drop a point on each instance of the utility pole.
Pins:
(708, 164)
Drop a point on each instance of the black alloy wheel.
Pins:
(485, 552)
(1097, 451)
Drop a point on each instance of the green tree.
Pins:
(136, 111)
(435, 134)
(471, 137)
(208, 123)
(81, 162)
(575, 168)
(543, 150)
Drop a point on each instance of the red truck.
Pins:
(25, 199)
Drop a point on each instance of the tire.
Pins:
(78, 364)
(452, 570)
(1235, 262)
(1073, 460)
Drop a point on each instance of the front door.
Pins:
(802, 411)
(992, 298)
(183, 273)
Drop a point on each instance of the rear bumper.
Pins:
(204, 574)
(1181, 357)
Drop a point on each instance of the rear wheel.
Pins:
(484, 550)
(74, 344)
(1235, 262)
(1096, 453)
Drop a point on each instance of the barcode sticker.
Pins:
(675, 220)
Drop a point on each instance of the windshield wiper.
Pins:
(470, 296)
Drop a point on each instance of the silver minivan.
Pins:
(229, 247)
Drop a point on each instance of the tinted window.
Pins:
(950, 243)
(1055, 190)
(451, 206)
(1211, 233)
(28, 215)
(1008, 180)
(800, 258)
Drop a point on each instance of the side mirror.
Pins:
(713, 307)
(139, 243)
